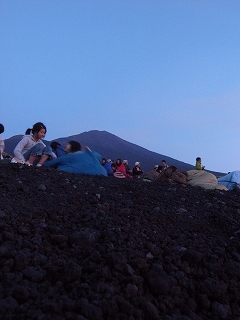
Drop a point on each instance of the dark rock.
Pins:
(151, 311)
(88, 310)
(35, 274)
(7, 250)
(159, 282)
(221, 311)
(115, 249)
(8, 306)
(232, 268)
(42, 187)
(72, 271)
(21, 260)
(84, 237)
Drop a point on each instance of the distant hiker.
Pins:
(2, 145)
(31, 149)
(108, 167)
(78, 160)
(104, 161)
(199, 164)
(128, 170)
(56, 148)
(137, 171)
(164, 165)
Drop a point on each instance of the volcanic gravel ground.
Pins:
(74, 247)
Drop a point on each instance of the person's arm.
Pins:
(19, 148)
(40, 141)
(53, 163)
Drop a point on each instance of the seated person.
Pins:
(85, 162)
(116, 173)
(31, 150)
(137, 171)
(128, 170)
(56, 148)
(199, 164)
(121, 168)
(164, 165)
(159, 169)
(108, 167)
(104, 161)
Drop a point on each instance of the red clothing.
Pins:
(121, 168)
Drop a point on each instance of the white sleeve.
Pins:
(19, 148)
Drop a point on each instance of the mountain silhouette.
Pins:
(113, 147)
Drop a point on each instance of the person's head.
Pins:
(54, 145)
(103, 161)
(137, 164)
(125, 162)
(72, 146)
(114, 167)
(1, 128)
(198, 159)
(38, 130)
(164, 163)
(118, 162)
(156, 167)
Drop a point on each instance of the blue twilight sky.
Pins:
(163, 74)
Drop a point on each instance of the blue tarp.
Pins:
(85, 162)
(231, 180)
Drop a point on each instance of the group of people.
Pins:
(121, 169)
(79, 159)
(74, 158)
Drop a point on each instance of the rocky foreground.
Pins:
(95, 248)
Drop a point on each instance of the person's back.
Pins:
(199, 164)
(128, 170)
(108, 167)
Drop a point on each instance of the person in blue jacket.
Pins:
(108, 167)
(76, 160)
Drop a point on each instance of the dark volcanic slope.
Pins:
(75, 247)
